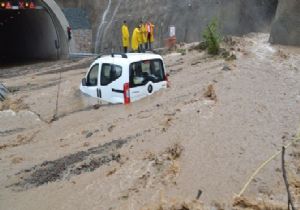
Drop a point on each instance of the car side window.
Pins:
(92, 78)
(110, 73)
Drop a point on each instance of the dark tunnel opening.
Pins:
(32, 31)
(27, 35)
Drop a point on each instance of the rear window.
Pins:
(144, 71)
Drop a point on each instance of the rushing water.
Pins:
(106, 21)
(101, 28)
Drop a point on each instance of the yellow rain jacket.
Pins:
(125, 36)
(135, 39)
(144, 33)
(152, 32)
(140, 36)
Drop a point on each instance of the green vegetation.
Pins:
(212, 37)
(181, 51)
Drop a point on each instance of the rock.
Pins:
(17, 160)
(231, 57)
(110, 128)
(285, 28)
(88, 135)
(224, 53)
(226, 68)
(96, 106)
(210, 93)
(200, 47)
(86, 144)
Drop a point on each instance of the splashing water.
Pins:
(101, 27)
(112, 18)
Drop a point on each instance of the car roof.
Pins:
(131, 57)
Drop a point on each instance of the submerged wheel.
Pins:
(150, 89)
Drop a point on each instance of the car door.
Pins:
(110, 84)
(158, 74)
(90, 86)
(105, 81)
(137, 81)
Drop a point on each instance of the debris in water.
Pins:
(17, 160)
(210, 93)
(282, 54)
(15, 105)
(110, 128)
(175, 204)
(226, 68)
(70, 165)
(245, 203)
(231, 57)
(88, 135)
(174, 151)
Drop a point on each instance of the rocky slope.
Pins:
(189, 16)
(286, 25)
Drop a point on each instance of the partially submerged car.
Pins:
(124, 78)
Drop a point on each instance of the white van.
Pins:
(124, 78)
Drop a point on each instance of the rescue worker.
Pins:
(144, 34)
(150, 34)
(125, 36)
(135, 40)
(140, 38)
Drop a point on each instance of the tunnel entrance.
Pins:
(29, 35)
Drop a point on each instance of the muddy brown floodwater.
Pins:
(207, 133)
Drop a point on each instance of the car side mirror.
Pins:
(83, 82)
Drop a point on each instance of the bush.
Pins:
(181, 51)
(212, 37)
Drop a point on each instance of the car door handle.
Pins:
(98, 93)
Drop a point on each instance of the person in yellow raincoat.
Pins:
(125, 36)
(140, 38)
(144, 35)
(135, 40)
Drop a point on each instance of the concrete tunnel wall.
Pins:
(29, 35)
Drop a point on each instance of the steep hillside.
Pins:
(189, 16)
(286, 26)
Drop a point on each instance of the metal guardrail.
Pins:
(82, 55)
(3, 92)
